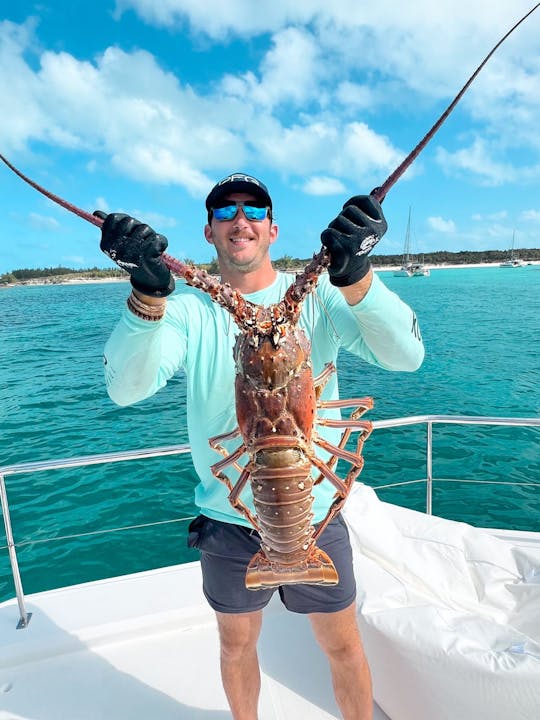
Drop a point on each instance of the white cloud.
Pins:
(407, 53)
(43, 222)
(324, 65)
(415, 40)
(101, 204)
(155, 220)
(492, 217)
(320, 185)
(290, 69)
(218, 19)
(298, 146)
(441, 225)
(477, 160)
(365, 151)
(123, 105)
(530, 216)
(355, 96)
(25, 117)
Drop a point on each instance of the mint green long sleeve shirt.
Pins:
(197, 336)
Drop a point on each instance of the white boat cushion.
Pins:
(450, 614)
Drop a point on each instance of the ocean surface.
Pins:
(481, 331)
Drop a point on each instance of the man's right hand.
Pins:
(137, 249)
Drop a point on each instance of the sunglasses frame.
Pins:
(245, 205)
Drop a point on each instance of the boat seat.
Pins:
(448, 612)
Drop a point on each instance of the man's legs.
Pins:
(339, 637)
(238, 635)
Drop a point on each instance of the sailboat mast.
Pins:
(406, 259)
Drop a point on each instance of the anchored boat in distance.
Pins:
(512, 261)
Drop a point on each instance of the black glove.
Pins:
(136, 248)
(351, 236)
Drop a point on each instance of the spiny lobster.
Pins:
(276, 403)
(277, 400)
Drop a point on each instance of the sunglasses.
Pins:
(229, 212)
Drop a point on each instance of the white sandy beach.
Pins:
(444, 266)
(83, 280)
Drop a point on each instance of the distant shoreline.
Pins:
(82, 280)
(71, 280)
(449, 266)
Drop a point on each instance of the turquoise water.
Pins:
(480, 327)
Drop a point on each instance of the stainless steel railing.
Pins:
(428, 420)
(63, 463)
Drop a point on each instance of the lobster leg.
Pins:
(338, 452)
(320, 381)
(363, 404)
(338, 503)
(228, 459)
(328, 474)
(357, 465)
(215, 444)
(234, 495)
(215, 441)
(334, 509)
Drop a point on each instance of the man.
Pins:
(158, 334)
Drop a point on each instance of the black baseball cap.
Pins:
(238, 182)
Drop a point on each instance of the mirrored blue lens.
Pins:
(250, 211)
(254, 213)
(225, 213)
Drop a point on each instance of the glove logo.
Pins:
(367, 245)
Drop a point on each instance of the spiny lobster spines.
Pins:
(221, 293)
(257, 321)
(272, 321)
(304, 283)
(267, 323)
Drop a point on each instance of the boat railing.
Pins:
(82, 461)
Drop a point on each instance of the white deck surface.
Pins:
(145, 646)
(449, 617)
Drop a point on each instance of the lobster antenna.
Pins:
(172, 263)
(379, 192)
(55, 198)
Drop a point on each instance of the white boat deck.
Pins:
(448, 614)
(146, 646)
(441, 630)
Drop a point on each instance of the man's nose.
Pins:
(241, 220)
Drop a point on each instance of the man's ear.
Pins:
(274, 230)
(208, 234)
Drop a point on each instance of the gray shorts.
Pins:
(226, 550)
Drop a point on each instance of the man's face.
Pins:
(241, 244)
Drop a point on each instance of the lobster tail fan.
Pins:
(318, 569)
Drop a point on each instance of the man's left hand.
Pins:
(351, 236)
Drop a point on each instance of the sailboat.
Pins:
(512, 262)
(418, 269)
(405, 270)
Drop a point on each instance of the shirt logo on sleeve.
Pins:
(415, 329)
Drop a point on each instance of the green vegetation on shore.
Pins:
(59, 274)
(441, 257)
(464, 257)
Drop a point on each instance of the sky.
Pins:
(140, 106)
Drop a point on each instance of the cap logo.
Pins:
(239, 177)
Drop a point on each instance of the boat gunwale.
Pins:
(63, 463)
